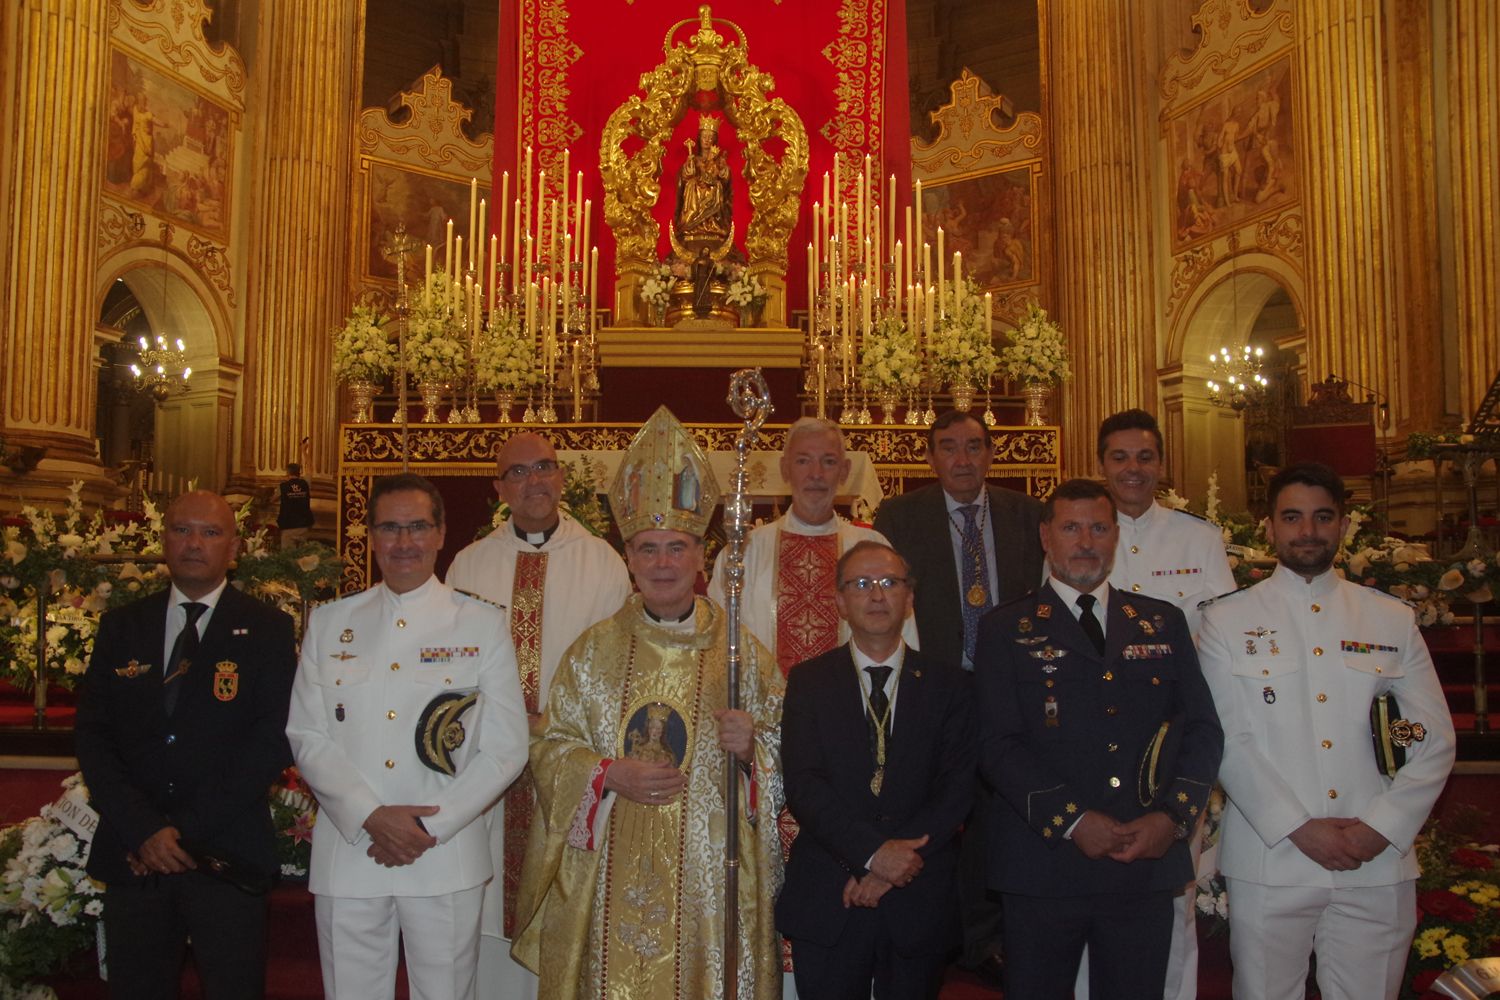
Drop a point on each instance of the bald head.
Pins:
(199, 542)
(529, 480)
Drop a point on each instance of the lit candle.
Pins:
(552, 244)
(504, 216)
(516, 263)
(930, 326)
(593, 292)
(588, 225)
(577, 383)
(910, 246)
(478, 238)
(958, 281)
(490, 274)
(989, 315)
(578, 230)
(473, 211)
(812, 288)
(427, 274)
(458, 255)
(838, 179)
(942, 298)
(822, 363)
(917, 207)
(891, 209)
(911, 317)
(448, 249)
(897, 278)
(926, 275)
(567, 173)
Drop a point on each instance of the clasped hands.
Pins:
(893, 865)
(1339, 844)
(396, 836)
(160, 854)
(1099, 835)
(658, 783)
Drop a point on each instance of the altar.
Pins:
(460, 460)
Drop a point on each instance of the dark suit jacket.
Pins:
(917, 526)
(207, 767)
(1035, 667)
(928, 788)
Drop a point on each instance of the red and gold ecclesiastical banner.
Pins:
(565, 65)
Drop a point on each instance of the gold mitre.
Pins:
(664, 481)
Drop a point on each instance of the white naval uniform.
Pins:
(1179, 558)
(586, 582)
(758, 609)
(370, 664)
(1293, 667)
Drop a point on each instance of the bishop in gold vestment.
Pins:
(622, 892)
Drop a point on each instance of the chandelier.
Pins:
(162, 367)
(1236, 381)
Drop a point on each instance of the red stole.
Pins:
(807, 620)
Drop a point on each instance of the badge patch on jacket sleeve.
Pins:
(226, 680)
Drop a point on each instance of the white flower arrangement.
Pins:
(656, 287)
(1037, 353)
(888, 361)
(959, 350)
(505, 358)
(434, 351)
(362, 350)
(745, 289)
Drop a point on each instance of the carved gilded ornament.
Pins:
(1282, 236)
(1230, 31)
(969, 136)
(431, 134)
(213, 263)
(172, 30)
(118, 225)
(632, 181)
(1187, 269)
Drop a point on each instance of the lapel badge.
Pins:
(1269, 694)
(341, 655)
(338, 711)
(1275, 651)
(1250, 646)
(1147, 627)
(1049, 668)
(1260, 632)
(132, 669)
(1031, 640)
(1129, 611)
(1049, 710)
(226, 680)
(1023, 626)
(347, 635)
(1043, 612)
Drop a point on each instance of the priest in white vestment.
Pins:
(553, 578)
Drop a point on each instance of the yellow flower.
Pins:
(1455, 947)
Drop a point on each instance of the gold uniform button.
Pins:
(1134, 549)
(390, 764)
(391, 714)
(1156, 681)
(1111, 710)
(1113, 747)
(401, 623)
(337, 682)
(1328, 744)
(395, 666)
(1322, 697)
(1333, 793)
(1051, 682)
(1109, 675)
(1317, 608)
(1135, 587)
(1317, 650)
(1179, 593)
(1114, 782)
(1378, 670)
(1265, 673)
(448, 680)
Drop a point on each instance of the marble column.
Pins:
(1101, 101)
(52, 97)
(1344, 134)
(305, 98)
(1473, 179)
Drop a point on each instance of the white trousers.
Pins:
(1361, 937)
(357, 940)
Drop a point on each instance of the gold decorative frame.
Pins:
(632, 182)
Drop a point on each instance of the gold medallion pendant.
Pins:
(877, 780)
(976, 595)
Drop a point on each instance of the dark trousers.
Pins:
(1128, 937)
(980, 908)
(146, 931)
(864, 953)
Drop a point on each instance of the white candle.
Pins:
(580, 235)
(427, 271)
(930, 325)
(917, 207)
(517, 265)
(567, 173)
(910, 246)
(478, 238)
(891, 209)
(822, 384)
(588, 225)
(504, 215)
(448, 249)
(989, 315)
(490, 274)
(958, 281)
(897, 278)
(941, 295)
(593, 292)
(473, 211)
(577, 382)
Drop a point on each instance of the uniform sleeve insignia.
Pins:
(1057, 821)
(1129, 611)
(1147, 627)
(1043, 612)
(1070, 808)
(1046, 831)
(226, 680)
(133, 669)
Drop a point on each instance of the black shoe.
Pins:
(991, 969)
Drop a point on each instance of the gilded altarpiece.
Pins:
(984, 184)
(413, 171)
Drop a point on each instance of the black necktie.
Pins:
(184, 650)
(1091, 626)
(880, 703)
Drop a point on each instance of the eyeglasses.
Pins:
(520, 473)
(391, 530)
(865, 584)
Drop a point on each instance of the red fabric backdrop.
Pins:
(565, 65)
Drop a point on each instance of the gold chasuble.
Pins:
(625, 901)
(807, 619)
